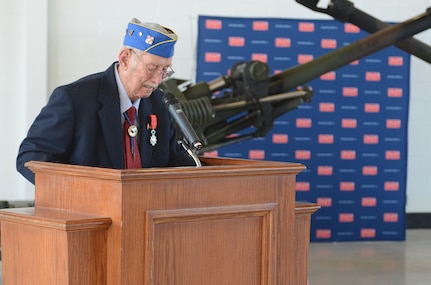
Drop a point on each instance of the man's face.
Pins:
(141, 73)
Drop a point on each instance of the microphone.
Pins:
(173, 106)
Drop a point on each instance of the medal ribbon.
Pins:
(152, 125)
(153, 122)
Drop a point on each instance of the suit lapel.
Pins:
(110, 118)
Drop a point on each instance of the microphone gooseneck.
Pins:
(174, 108)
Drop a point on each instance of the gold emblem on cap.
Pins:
(149, 40)
(131, 32)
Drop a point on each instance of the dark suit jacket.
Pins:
(81, 124)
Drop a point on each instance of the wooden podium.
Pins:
(231, 222)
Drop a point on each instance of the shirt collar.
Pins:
(125, 102)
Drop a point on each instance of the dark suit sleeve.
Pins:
(50, 136)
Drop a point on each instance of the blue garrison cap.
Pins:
(151, 38)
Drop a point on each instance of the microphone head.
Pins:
(169, 99)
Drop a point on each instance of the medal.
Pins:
(152, 125)
(132, 131)
(153, 138)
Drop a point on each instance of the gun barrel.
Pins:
(345, 11)
(304, 73)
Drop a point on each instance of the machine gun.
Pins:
(250, 99)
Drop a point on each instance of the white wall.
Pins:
(84, 37)
(23, 88)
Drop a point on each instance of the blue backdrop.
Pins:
(353, 135)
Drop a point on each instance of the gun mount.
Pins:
(250, 99)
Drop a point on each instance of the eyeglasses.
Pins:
(165, 72)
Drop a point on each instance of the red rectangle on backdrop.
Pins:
(391, 186)
(328, 43)
(324, 170)
(326, 139)
(302, 154)
(326, 107)
(323, 234)
(346, 218)
(304, 58)
(306, 27)
(303, 123)
(260, 26)
(395, 61)
(350, 91)
(324, 201)
(262, 57)
(393, 123)
(350, 28)
(392, 155)
(349, 123)
(369, 170)
(372, 76)
(395, 92)
(256, 154)
(371, 139)
(372, 108)
(347, 186)
(302, 186)
(212, 57)
(348, 154)
(368, 202)
(329, 76)
(282, 42)
(390, 217)
(213, 24)
(280, 138)
(236, 41)
(368, 233)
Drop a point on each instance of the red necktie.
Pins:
(132, 159)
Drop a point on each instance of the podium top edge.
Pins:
(213, 167)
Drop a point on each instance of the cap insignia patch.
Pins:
(149, 40)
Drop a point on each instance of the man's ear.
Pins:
(124, 58)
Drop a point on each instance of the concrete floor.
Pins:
(373, 263)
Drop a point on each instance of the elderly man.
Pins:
(116, 118)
